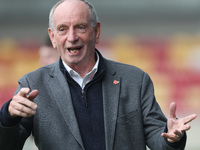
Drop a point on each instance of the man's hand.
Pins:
(177, 127)
(22, 105)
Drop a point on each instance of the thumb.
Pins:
(32, 94)
(172, 110)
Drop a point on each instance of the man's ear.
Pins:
(51, 36)
(98, 32)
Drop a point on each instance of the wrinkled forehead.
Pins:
(72, 9)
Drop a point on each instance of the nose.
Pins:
(72, 36)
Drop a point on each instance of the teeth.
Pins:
(74, 51)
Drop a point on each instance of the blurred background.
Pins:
(160, 37)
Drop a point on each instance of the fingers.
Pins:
(22, 105)
(18, 109)
(189, 118)
(179, 134)
(172, 110)
(173, 137)
(23, 92)
(176, 127)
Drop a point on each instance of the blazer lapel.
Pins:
(111, 89)
(61, 92)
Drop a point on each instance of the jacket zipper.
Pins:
(84, 97)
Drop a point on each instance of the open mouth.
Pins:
(74, 49)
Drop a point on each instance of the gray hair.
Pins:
(92, 11)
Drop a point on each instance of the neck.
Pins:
(84, 68)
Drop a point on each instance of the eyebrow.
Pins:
(79, 24)
(61, 25)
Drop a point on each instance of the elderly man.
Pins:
(85, 102)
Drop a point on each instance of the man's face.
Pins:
(73, 34)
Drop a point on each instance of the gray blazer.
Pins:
(132, 116)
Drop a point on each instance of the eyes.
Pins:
(63, 29)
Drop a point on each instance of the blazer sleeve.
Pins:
(154, 120)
